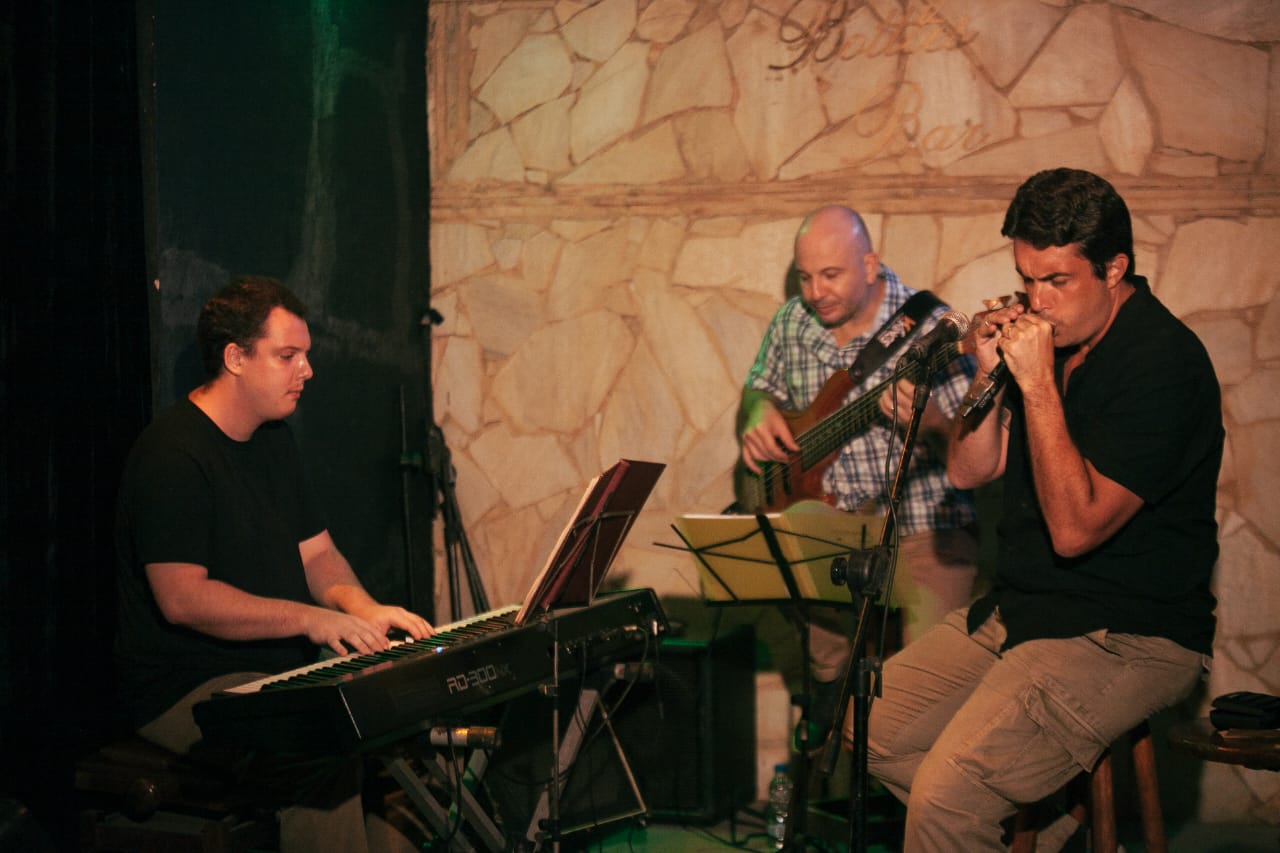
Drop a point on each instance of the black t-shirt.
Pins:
(1145, 408)
(191, 494)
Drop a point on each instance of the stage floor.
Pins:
(746, 832)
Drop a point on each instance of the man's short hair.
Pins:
(1059, 207)
(237, 314)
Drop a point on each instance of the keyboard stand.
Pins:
(589, 702)
(447, 822)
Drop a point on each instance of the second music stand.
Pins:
(782, 559)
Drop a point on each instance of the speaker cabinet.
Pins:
(688, 737)
(691, 734)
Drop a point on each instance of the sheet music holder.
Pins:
(588, 544)
(571, 577)
(780, 557)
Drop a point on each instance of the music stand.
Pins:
(571, 577)
(777, 557)
(782, 559)
(585, 550)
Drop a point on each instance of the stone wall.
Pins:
(615, 186)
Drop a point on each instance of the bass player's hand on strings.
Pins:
(766, 436)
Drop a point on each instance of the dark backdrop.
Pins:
(150, 151)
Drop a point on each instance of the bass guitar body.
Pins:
(781, 484)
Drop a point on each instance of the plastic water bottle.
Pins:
(779, 809)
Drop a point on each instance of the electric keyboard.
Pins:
(364, 701)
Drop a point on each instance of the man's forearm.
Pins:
(188, 597)
(333, 583)
(1081, 507)
(349, 598)
(976, 451)
(330, 578)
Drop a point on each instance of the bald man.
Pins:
(847, 298)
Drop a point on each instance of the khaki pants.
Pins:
(964, 733)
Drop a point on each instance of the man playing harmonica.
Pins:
(1109, 437)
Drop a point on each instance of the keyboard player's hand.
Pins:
(345, 633)
(397, 620)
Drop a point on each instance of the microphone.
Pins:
(984, 390)
(481, 737)
(639, 672)
(952, 326)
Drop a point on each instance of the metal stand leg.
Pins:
(800, 763)
(589, 703)
(448, 822)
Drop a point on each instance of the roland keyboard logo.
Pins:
(477, 677)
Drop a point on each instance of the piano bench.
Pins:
(140, 797)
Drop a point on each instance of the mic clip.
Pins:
(984, 390)
(471, 737)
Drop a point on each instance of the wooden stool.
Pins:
(1092, 798)
(141, 797)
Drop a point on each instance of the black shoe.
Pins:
(812, 732)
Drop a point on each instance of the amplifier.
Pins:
(691, 734)
(688, 736)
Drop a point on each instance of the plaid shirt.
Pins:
(797, 357)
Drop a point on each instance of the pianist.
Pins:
(226, 570)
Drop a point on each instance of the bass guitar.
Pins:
(822, 430)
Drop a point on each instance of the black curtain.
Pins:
(151, 148)
(76, 381)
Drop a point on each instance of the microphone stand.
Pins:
(436, 463)
(866, 579)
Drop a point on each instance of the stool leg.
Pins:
(1144, 771)
(1096, 806)
(1024, 834)
(1102, 806)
